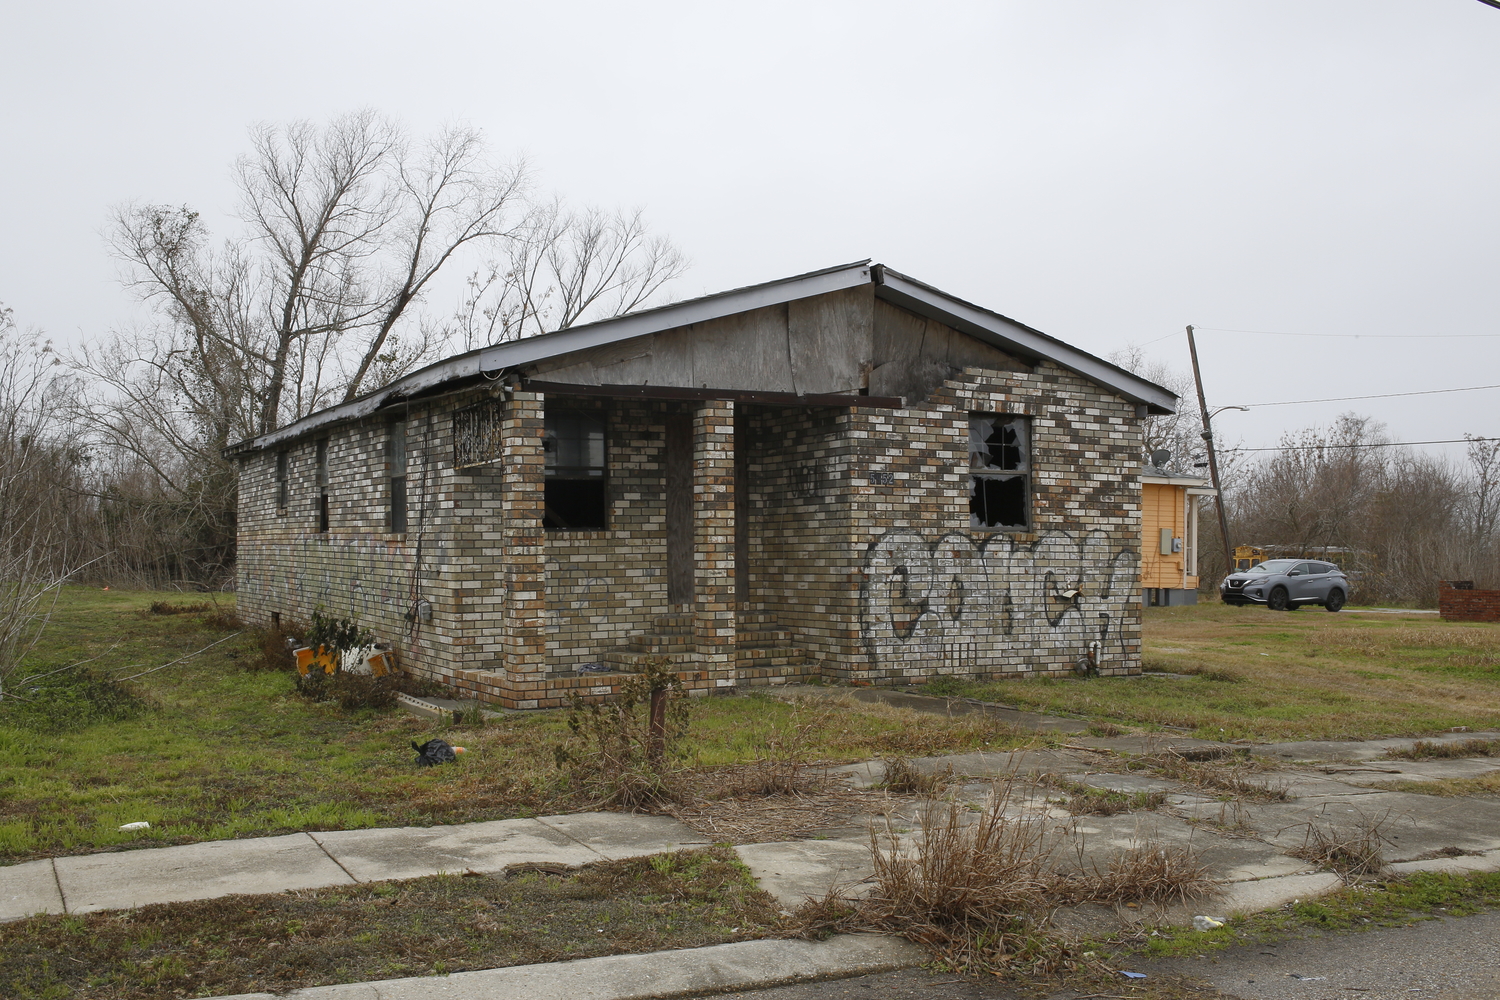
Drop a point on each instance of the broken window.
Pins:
(283, 480)
(395, 451)
(322, 484)
(999, 472)
(577, 489)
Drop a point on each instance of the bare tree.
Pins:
(1178, 433)
(36, 467)
(563, 268)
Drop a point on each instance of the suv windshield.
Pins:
(1273, 567)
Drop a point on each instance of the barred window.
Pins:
(999, 472)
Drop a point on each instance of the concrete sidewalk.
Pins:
(122, 879)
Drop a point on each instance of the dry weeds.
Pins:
(902, 777)
(1215, 770)
(1351, 851)
(1445, 750)
(977, 889)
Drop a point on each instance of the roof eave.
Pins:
(1017, 338)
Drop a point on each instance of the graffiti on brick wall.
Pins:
(963, 606)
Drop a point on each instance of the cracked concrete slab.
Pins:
(412, 852)
(1379, 772)
(1127, 783)
(715, 969)
(1410, 824)
(1359, 749)
(124, 879)
(29, 888)
(799, 870)
(1457, 866)
(1227, 857)
(626, 835)
(1269, 893)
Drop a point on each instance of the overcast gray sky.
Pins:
(1106, 172)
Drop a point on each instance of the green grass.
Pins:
(1257, 674)
(215, 749)
(1422, 896)
(383, 930)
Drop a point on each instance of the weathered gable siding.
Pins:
(816, 345)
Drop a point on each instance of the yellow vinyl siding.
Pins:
(1162, 510)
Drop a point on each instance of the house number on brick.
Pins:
(882, 479)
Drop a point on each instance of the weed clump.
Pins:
(624, 753)
(902, 777)
(1214, 769)
(1352, 852)
(978, 892)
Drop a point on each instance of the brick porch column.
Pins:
(523, 542)
(713, 541)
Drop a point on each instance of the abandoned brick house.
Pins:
(847, 474)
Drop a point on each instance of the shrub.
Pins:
(617, 754)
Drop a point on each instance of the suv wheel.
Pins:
(1277, 601)
(1335, 600)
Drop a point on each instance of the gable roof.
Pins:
(891, 286)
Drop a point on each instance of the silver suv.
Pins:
(1287, 584)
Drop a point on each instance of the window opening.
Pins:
(577, 495)
(283, 477)
(999, 472)
(322, 484)
(396, 461)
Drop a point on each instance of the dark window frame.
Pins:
(1000, 470)
(320, 482)
(283, 480)
(395, 455)
(577, 495)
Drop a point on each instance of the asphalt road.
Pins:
(1449, 959)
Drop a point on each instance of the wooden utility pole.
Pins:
(1213, 462)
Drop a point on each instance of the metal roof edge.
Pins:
(1016, 337)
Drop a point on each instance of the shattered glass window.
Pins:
(998, 442)
(999, 472)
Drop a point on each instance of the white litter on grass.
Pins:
(1207, 923)
(142, 825)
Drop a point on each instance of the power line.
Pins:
(1352, 336)
(1376, 444)
(1382, 395)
